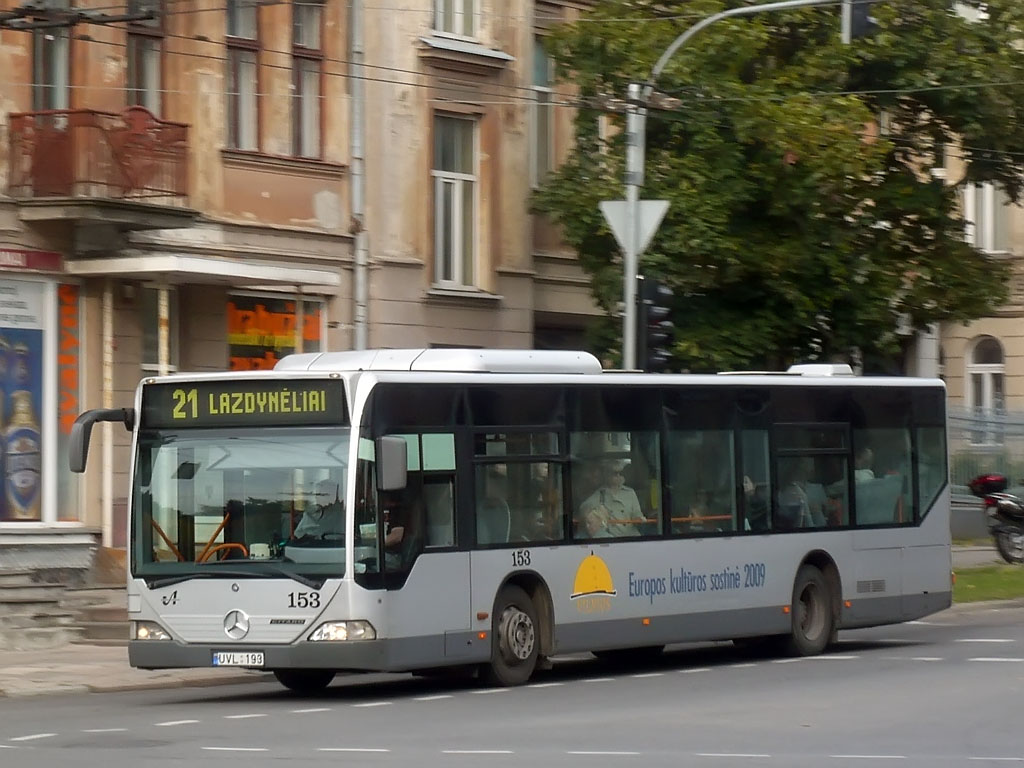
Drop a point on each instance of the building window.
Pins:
(307, 67)
(987, 210)
(243, 50)
(149, 303)
(145, 50)
(455, 17)
(543, 113)
(264, 328)
(51, 64)
(454, 200)
(986, 390)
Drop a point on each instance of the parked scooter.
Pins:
(1005, 515)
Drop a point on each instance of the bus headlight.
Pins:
(148, 630)
(344, 630)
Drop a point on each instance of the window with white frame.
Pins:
(307, 68)
(51, 64)
(455, 17)
(986, 389)
(543, 113)
(987, 211)
(455, 181)
(242, 59)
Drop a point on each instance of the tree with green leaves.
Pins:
(808, 218)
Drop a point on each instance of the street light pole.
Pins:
(636, 135)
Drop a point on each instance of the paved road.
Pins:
(941, 692)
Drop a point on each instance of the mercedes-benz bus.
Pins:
(488, 509)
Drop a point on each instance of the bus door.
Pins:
(426, 575)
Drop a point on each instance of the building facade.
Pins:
(210, 185)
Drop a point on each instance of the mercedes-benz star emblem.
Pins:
(236, 625)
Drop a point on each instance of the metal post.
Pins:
(635, 135)
(360, 276)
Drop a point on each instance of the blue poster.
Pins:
(21, 392)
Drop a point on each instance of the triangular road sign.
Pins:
(649, 216)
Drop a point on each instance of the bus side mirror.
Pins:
(81, 431)
(392, 462)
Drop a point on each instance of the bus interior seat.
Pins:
(493, 522)
(876, 500)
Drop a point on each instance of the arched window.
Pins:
(986, 389)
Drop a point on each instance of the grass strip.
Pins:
(990, 582)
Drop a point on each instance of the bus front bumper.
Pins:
(362, 655)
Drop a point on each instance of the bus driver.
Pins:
(325, 519)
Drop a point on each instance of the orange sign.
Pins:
(263, 330)
(67, 356)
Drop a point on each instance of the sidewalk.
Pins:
(96, 669)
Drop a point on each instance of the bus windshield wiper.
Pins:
(265, 569)
(167, 581)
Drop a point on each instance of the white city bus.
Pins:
(489, 509)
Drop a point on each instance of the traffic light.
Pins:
(654, 329)
(857, 19)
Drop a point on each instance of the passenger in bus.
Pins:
(617, 502)
(325, 518)
(595, 525)
(862, 462)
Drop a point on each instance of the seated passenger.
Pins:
(617, 502)
(595, 526)
(325, 519)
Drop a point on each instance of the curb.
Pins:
(142, 685)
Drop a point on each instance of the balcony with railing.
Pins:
(85, 164)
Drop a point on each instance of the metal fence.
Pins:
(985, 442)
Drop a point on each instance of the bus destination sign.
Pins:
(251, 403)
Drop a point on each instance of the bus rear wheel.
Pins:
(514, 639)
(304, 680)
(811, 613)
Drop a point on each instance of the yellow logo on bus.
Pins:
(593, 588)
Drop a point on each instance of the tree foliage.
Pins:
(805, 218)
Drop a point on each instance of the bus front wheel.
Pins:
(811, 613)
(514, 639)
(304, 680)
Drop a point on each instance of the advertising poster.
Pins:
(262, 330)
(21, 392)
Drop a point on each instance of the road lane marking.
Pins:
(598, 752)
(103, 730)
(435, 697)
(545, 685)
(244, 717)
(374, 704)
(33, 737)
(694, 670)
(171, 723)
(490, 690)
(477, 752)
(869, 757)
(744, 665)
(926, 658)
(236, 749)
(984, 640)
(648, 674)
(995, 658)
(832, 657)
(728, 754)
(1000, 759)
(353, 749)
(787, 661)
(311, 709)
(599, 680)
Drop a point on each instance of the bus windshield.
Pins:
(205, 498)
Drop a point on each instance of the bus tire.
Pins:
(304, 680)
(811, 613)
(515, 639)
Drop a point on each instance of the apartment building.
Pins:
(213, 184)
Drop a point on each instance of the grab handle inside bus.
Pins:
(392, 462)
(78, 448)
